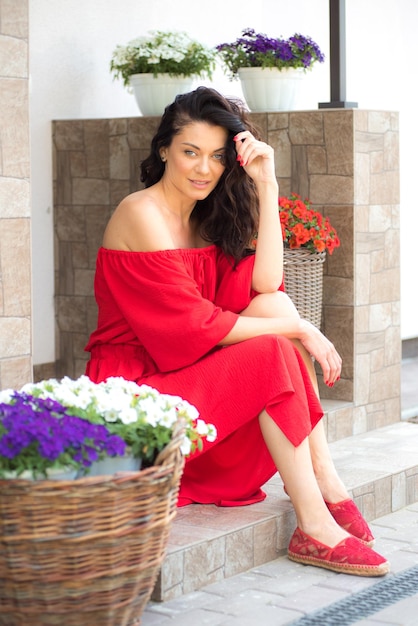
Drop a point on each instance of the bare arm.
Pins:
(291, 327)
(257, 158)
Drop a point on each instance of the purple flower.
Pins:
(259, 50)
(35, 433)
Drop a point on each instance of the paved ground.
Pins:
(282, 592)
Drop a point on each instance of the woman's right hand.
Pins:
(323, 350)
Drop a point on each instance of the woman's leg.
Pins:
(278, 304)
(318, 540)
(295, 468)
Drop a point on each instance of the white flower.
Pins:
(186, 446)
(202, 427)
(128, 416)
(212, 433)
(135, 411)
(6, 395)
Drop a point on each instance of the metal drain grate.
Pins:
(366, 602)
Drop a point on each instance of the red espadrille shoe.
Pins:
(347, 515)
(350, 556)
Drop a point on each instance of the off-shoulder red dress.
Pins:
(161, 317)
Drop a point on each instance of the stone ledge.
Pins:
(208, 544)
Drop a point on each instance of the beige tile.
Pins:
(279, 140)
(77, 164)
(362, 275)
(383, 496)
(13, 57)
(15, 197)
(338, 130)
(376, 162)
(393, 346)
(379, 121)
(385, 286)
(83, 282)
(306, 128)
(173, 571)
(119, 158)
(70, 223)
(68, 135)
(384, 384)
(384, 187)
(369, 142)
(277, 121)
(399, 499)
(412, 485)
(141, 132)
(362, 178)
(96, 142)
(323, 187)
(391, 151)
(380, 317)
(380, 219)
(15, 334)
(239, 552)
(15, 264)
(71, 313)
(14, 18)
(317, 159)
(204, 564)
(265, 541)
(15, 371)
(118, 126)
(118, 190)
(90, 191)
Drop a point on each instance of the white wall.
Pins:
(71, 43)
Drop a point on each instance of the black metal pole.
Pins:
(337, 58)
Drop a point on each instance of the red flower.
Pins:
(302, 227)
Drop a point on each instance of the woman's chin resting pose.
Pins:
(186, 306)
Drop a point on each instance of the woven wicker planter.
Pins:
(85, 552)
(303, 279)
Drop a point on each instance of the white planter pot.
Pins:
(51, 474)
(270, 89)
(154, 93)
(112, 465)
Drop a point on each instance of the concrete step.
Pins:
(208, 544)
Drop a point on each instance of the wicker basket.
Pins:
(86, 552)
(303, 278)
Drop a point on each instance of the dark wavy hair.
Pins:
(228, 217)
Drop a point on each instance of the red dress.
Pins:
(161, 317)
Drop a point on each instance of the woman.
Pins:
(186, 307)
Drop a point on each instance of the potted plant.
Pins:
(304, 228)
(307, 237)
(159, 65)
(262, 63)
(79, 424)
(40, 439)
(90, 548)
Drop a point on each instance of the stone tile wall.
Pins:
(15, 223)
(345, 161)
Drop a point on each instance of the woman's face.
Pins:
(195, 159)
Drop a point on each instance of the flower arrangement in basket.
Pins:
(70, 424)
(88, 549)
(307, 237)
(159, 52)
(302, 227)
(259, 50)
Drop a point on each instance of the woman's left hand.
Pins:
(256, 157)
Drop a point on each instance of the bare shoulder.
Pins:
(137, 225)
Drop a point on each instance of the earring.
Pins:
(163, 159)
